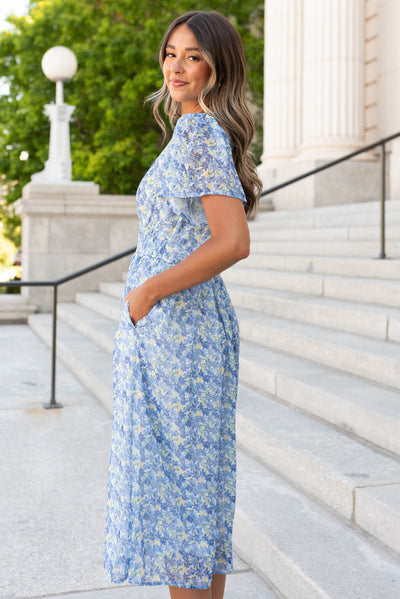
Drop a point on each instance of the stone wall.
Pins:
(66, 227)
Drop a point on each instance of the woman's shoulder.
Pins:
(200, 127)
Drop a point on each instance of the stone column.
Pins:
(388, 84)
(314, 102)
(282, 80)
(66, 227)
(333, 78)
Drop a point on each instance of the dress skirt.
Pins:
(172, 467)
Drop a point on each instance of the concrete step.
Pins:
(305, 550)
(102, 304)
(91, 365)
(311, 220)
(90, 324)
(375, 360)
(326, 265)
(378, 512)
(365, 290)
(379, 322)
(328, 214)
(360, 408)
(325, 233)
(321, 248)
(113, 288)
(369, 320)
(364, 409)
(316, 457)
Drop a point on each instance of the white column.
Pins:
(282, 79)
(333, 84)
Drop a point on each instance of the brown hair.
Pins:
(223, 96)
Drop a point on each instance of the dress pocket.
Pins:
(127, 316)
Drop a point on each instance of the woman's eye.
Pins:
(192, 57)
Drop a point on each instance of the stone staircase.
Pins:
(318, 415)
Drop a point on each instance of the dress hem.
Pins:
(161, 583)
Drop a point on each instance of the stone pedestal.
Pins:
(58, 167)
(395, 170)
(66, 227)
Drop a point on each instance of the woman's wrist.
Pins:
(150, 290)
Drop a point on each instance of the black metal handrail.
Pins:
(55, 284)
(381, 143)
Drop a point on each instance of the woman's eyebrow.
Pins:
(171, 46)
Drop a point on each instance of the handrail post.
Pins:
(54, 284)
(382, 254)
(53, 403)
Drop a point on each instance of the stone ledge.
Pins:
(95, 205)
(15, 309)
(61, 189)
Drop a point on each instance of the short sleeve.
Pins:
(200, 164)
(209, 165)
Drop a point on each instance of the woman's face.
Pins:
(185, 70)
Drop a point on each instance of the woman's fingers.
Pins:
(139, 305)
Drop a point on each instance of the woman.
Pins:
(171, 489)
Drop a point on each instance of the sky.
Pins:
(7, 7)
(16, 7)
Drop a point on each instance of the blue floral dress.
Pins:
(172, 467)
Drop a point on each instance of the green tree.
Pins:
(114, 138)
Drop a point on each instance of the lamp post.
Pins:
(59, 64)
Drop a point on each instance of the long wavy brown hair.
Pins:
(224, 95)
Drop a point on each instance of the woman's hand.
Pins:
(140, 303)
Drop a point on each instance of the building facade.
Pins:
(331, 86)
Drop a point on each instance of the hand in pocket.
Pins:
(139, 304)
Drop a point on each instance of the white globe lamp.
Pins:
(59, 64)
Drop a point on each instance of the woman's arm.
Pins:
(229, 242)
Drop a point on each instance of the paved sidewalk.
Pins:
(53, 477)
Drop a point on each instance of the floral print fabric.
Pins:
(172, 467)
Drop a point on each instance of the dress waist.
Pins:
(145, 264)
(154, 255)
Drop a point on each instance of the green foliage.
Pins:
(7, 251)
(114, 138)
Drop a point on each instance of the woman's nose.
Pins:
(177, 65)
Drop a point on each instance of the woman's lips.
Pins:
(177, 83)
